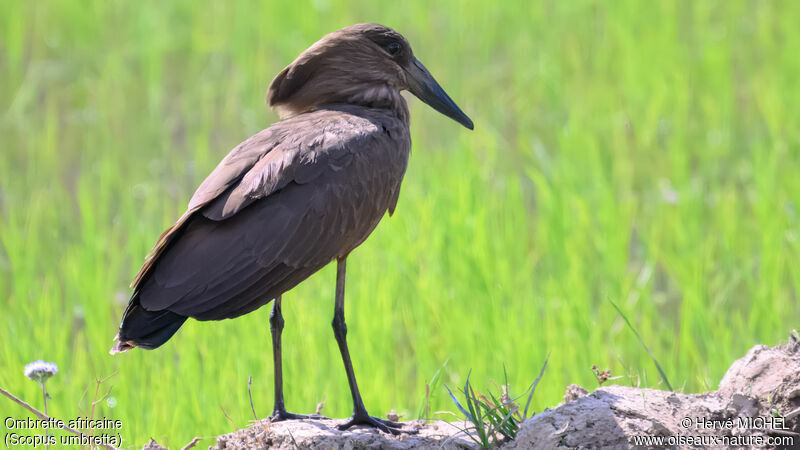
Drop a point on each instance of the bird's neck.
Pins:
(376, 95)
(379, 96)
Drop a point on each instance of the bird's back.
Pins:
(279, 207)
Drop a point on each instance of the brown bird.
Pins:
(292, 198)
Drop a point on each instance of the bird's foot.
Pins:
(280, 415)
(387, 426)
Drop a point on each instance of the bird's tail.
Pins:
(145, 329)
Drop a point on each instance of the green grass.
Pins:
(645, 153)
(490, 420)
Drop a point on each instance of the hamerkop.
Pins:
(294, 197)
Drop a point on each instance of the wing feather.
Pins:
(272, 213)
(229, 171)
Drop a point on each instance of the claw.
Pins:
(387, 426)
(281, 415)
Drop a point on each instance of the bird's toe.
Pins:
(281, 415)
(387, 426)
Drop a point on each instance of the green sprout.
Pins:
(496, 418)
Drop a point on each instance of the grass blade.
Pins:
(432, 386)
(458, 404)
(533, 387)
(641, 341)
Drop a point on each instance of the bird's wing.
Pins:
(300, 157)
(293, 211)
(229, 171)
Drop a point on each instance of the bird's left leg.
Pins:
(360, 415)
(276, 328)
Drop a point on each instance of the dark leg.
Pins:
(276, 328)
(360, 416)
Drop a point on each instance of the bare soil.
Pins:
(758, 397)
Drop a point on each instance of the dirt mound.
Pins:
(322, 434)
(757, 404)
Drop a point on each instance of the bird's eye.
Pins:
(393, 48)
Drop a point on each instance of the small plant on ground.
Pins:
(603, 375)
(425, 406)
(496, 418)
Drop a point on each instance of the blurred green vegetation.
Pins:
(646, 153)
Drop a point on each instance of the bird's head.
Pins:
(364, 64)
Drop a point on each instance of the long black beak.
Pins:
(422, 84)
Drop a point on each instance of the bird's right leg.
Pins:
(276, 328)
(360, 416)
